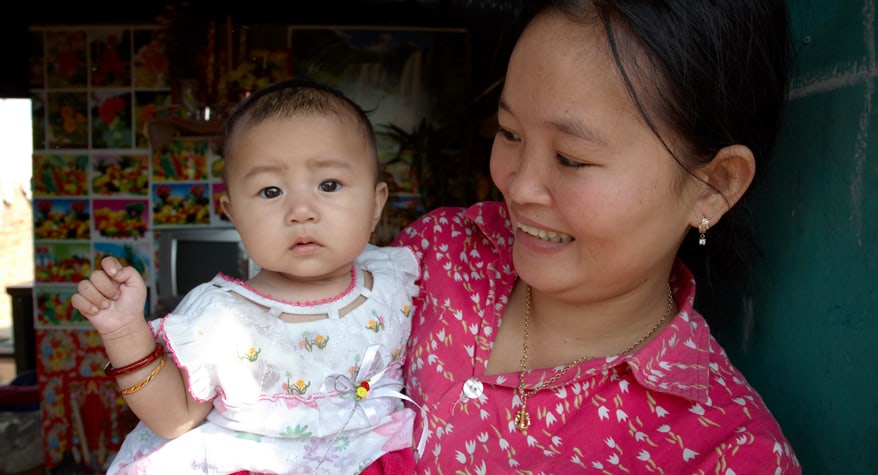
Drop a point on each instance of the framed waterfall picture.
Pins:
(415, 85)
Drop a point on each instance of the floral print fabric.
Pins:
(676, 405)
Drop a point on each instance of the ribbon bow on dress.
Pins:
(365, 389)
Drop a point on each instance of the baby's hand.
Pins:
(112, 297)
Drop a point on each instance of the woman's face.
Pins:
(595, 199)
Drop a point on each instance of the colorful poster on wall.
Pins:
(184, 159)
(66, 58)
(60, 175)
(67, 121)
(151, 64)
(120, 175)
(136, 254)
(62, 218)
(180, 204)
(111, 119)
(61, 262)
(110, 57)
(121, 218)
(54, 308)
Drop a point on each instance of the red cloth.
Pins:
(18, 396)
(400, 462)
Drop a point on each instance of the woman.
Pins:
(555, 332)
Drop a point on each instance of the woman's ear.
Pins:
(728, 177)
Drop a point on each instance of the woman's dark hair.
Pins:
(295, 96)
(716, 74)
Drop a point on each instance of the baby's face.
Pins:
(302, 193)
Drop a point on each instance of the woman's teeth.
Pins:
(545, 235)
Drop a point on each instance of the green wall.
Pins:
(813, 353)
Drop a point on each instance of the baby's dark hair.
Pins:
(296, 96)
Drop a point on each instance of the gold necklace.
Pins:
(522, 418)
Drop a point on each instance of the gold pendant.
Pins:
(522, 420)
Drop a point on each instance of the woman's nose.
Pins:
(526, 182)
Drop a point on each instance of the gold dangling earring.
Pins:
(702, 229)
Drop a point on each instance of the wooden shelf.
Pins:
(160, 131)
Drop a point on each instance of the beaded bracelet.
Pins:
(109, 370)
(149, 377)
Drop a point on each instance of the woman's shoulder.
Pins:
(454, 226)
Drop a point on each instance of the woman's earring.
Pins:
(702, 229)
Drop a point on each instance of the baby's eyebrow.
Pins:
(263, 169)
(329, 163)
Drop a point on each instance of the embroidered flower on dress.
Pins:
(376, 324)
(300, 387)
(308, 343)
(251, 355)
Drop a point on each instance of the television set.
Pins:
(188, 257)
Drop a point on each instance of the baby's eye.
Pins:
(330, 186)
(510, 136)
(270, 192)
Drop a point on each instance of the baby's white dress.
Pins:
(285, 395)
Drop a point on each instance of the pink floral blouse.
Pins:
(676, 405)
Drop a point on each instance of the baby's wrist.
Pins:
(135, 331)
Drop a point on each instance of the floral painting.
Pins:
(176, 204)
(67, 120)
(182, 159)
(54, 308)
(61, 218)
(151, 65)
(111, 120)
(66, 57)
(60, 175)
(110, 57)
(134, 254)
(61, 262)
(120, 175)
(119, 218)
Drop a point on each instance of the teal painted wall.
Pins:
(813, 352)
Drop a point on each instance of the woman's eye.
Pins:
(270, 192)
(566, 162)
(330, 186)
(507, 135)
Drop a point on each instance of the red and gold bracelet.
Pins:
(109, 370)
(152, 374)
